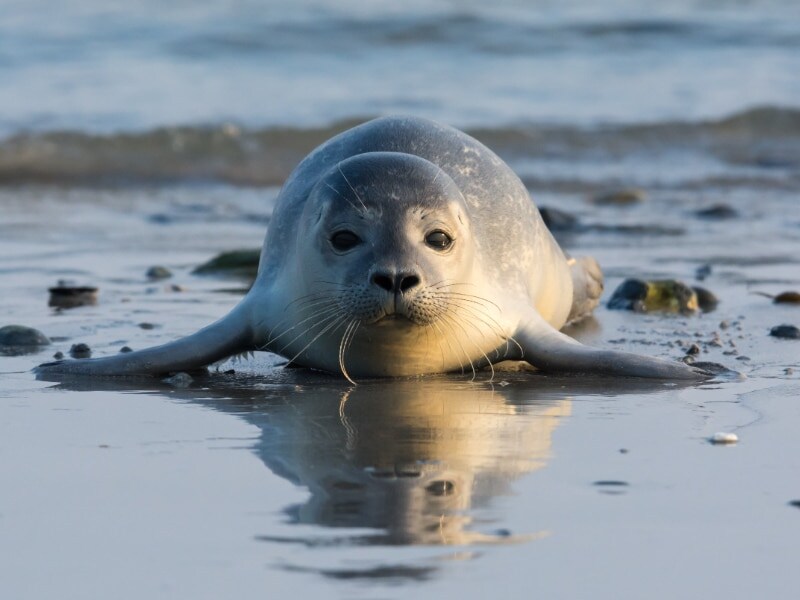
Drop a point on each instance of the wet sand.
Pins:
(271, 481)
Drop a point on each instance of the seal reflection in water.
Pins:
(403, 247)
(409, 461)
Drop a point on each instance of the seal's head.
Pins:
(388, 235)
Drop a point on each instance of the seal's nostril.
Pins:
(383, 281)
(407, 282)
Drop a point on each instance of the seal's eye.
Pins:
(345, 240)
(438, 240)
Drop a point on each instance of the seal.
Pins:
(403, 247)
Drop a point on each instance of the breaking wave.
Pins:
(765, 138)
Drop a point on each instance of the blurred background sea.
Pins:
(239, 90)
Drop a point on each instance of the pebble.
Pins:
(665, 295)
(787, 298)
(126, 349)
(80, 351)
(787, 332)
(58, 355)
(158, 272)
(21, 336)
(237, 262)
(621, 197)
(558, 220)
(147, 326)
(724, 325)
(705, 299)
(722, 437)
(693, 350)
(702, 272)
(788, 371)
(65, 295)
(743, 357)
(718, 211)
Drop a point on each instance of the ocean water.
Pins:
(140, 133)
(111, 66)
(241, 90)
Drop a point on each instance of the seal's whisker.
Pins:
(476, 311)
(347, 339)
(452, 321)
(337, 322)
(310, 297)
(314, 315)
(499, 331)
(472, 298)
(338, 193)
(478, 348)
(329, 315)
(310, 305)
(495, 329)
(449, 346)
(364, 206)
(468, 337)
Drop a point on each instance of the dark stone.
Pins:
(787, 298)
(147, 326)
(786, 332)
(559, 220)
(21, 336)
(702, 272)
(126, 349)
(71, 296)
(622, 197)
(629, 295)
(693, 350)
(158, 272)
(718, 211)
(80, 351)
(235, 262)
(705, 299)
(58, 355)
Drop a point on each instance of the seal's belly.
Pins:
(397, 348)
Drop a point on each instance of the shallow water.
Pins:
(129, 141)
(270, 480)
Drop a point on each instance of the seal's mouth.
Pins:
(394, 318)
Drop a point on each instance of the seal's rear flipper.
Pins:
(228, 336)
(550, 350)
(587, 287)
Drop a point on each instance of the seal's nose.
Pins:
(395, 283)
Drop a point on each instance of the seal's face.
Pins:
(385, 277)
(391, 241)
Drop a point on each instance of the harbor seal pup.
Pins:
(402, 247)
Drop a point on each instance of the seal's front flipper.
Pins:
(550, 350)
(228, 336)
